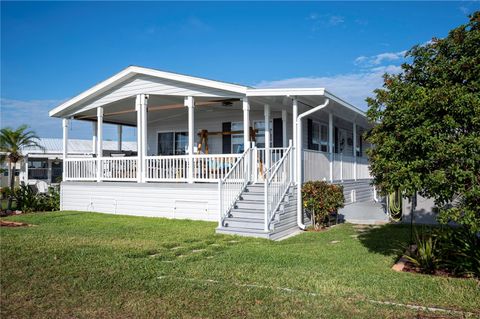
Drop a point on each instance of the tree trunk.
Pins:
(12, 185)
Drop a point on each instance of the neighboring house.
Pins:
(205, 149)
(47, 164)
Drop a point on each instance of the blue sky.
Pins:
(51, 51)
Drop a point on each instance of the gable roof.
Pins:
(131, 71)
(240, 90)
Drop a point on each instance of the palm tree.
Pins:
(12, 141)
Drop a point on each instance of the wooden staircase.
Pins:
(247, 217)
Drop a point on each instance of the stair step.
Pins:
(243, 232)
(253, 204)
(249, 223)
(246, 214)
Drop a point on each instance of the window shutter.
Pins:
(309, 134)
(226, 138)
(336, 140)
(277, 132)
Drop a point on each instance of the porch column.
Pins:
(94, 138)
(246, 137)
(141, 108)
(295, 115)
(190, 104)
(99, 142)
(284, 128)
(65, 148)
(144, 104)
(119, 135)
(354, 150)
(268, 158)
(330, 143)
(139, 138)
(246, 124)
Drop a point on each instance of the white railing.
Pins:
(316, 166)
(80, 169)
(118, 168)
(363, 169)
(348, 167)
(212, 167)
(232, 185)
(276, 186)
(166, 168)
(261, 157)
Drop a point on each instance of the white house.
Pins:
(212, 150)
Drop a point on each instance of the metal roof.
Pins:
(55, 146)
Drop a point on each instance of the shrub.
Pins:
(30, 201)
(425, 256)
(321, 200)
(460, 251)
(455, 250)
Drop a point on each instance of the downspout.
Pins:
(299, 164)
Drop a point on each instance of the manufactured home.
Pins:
(212, 150)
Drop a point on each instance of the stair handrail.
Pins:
(276, 186)
(232, 185)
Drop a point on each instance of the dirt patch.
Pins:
(7, 223)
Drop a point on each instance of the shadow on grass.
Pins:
(389, 239)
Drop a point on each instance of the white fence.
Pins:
(211, 168)
(166, 168)
(118, 168)
(80, 169)
(317, 166)
(206, 168)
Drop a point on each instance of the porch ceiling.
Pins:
(164, 107)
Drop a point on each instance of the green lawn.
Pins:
(85, 265)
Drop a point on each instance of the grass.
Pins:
(84, 265)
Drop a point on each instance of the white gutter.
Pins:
(298, 150)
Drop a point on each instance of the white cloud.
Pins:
(352, 87)
(34, 113)
(336, 20)
(369, 61)
(329, 20)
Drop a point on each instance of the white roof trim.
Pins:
(345, 103)
(285, 91)
(133, 70)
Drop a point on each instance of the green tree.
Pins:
(428, 133)
(12, 141)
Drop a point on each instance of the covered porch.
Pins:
(199, 139)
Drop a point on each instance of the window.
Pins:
(320, 136)
(260, 135)
(37, 163)
(237, 138)
(172, 143)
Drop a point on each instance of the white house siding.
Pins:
(170, 200)
(144, 84)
